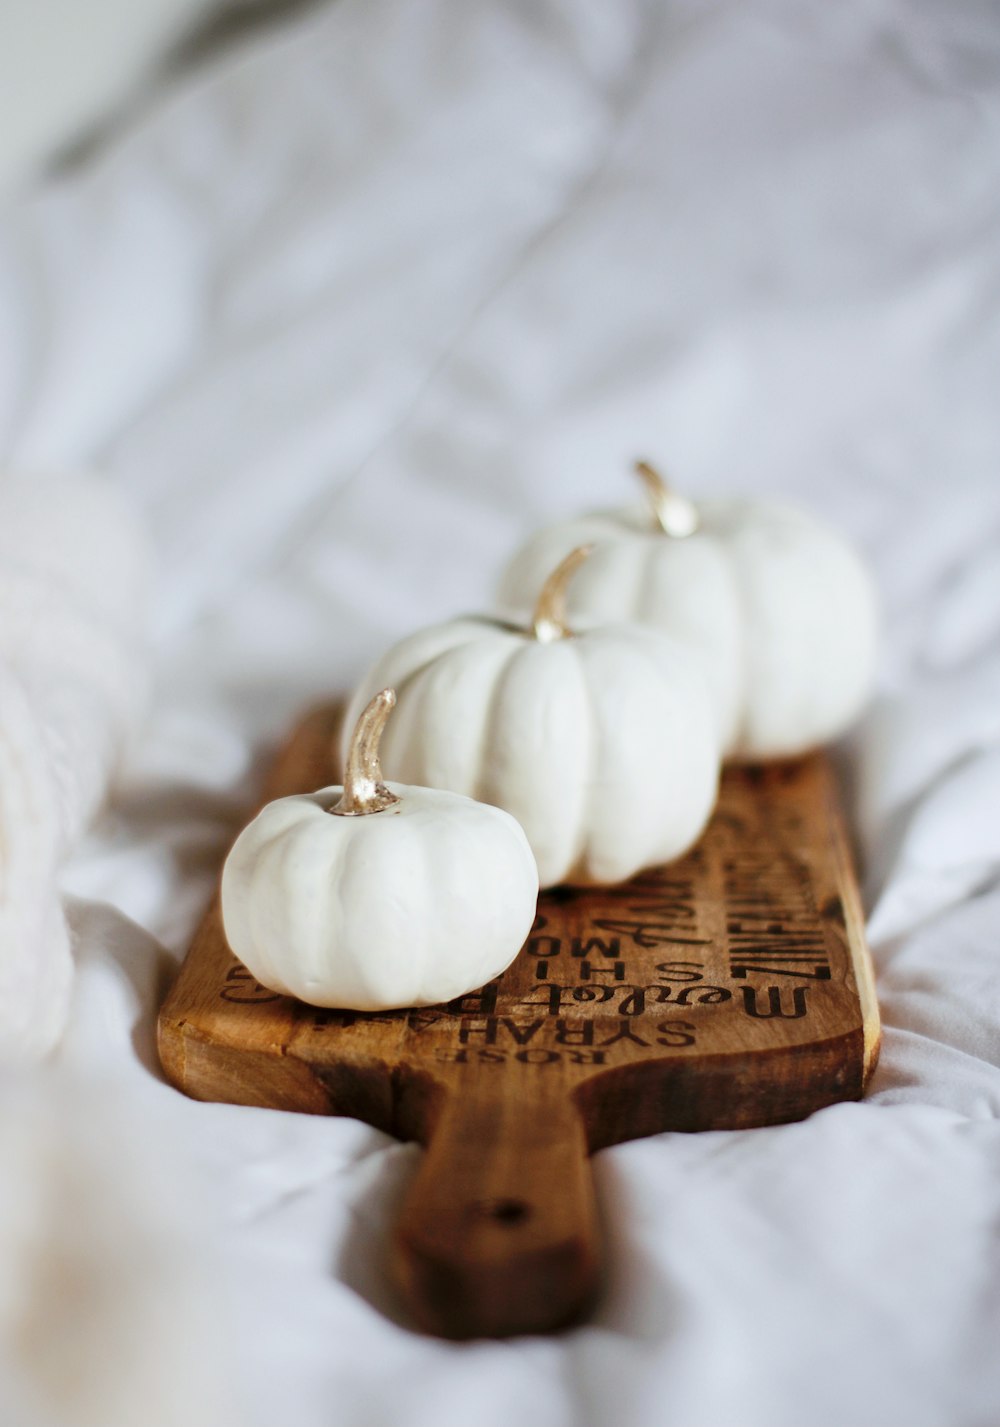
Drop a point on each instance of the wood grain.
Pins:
(728, 990)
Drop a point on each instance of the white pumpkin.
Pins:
(778, 607)
(375, 896)
(602, 744)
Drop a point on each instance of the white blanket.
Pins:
(72, 682)
(347, 313)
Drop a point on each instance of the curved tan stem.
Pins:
(364, 791)
(675, 514)
(548, 622)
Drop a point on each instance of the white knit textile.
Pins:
(72, 577)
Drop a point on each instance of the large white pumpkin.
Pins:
(776, 605)
(601, 743)
(375, 895)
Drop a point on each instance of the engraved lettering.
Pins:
(547, 997)
(675, 1033)
(680, 970)
(595, 946)
(699, 995)
(479, 1055)
(452, 1057)
(617, 970)
(421, 1020)
(242, 989)
(593, 993)
(635, 1004)
(475, 1003)
(740, 970)
(775, 1005)
(522, 1034)
(543, 946)
(488, 1030)
(624, 1034)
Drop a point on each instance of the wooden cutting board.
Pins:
(727, 990)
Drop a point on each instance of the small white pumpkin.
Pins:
(375, 896)
(602, 744)
(778, 607)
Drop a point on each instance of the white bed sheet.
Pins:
(346, 314)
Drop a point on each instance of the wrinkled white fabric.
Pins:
(349, 313)
(72, 682)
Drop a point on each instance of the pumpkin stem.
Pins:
(548, 622)
(675, 514)
(364, 791)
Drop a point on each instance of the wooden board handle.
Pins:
(499, 1233)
